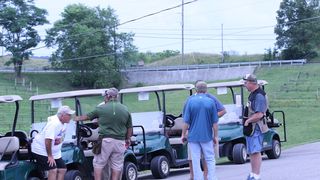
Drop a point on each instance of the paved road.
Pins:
(298, 163)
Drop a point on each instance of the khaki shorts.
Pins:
(112, 153)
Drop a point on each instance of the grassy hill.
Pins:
(202, 58)
(293, 89)
(38, 63)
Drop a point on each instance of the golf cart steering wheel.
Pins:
(170, 121)
(84, 130)
(32, 132)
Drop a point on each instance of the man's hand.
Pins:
(57, 141)
(51, 161)
(128, 143)
(184, 138)
(215, 140)
(246, 123)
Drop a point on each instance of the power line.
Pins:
(206, 38)
(158, 12)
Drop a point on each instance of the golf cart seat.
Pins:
(22, 136)
(233, 114)
(24, 144)
(176, 130)
(8, 151)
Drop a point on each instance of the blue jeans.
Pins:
(208, 152)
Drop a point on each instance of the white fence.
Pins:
(221, 65)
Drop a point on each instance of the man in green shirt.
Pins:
(115, 126)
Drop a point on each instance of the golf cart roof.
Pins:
(233, 84)
(168, 87)
(10, 98)
(69, 94)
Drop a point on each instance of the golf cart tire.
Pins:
(239, 153)
(130, 171)
(73, 175)
(275, 152)
(160, 167)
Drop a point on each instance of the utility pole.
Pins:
(222, 53)
(182, 33)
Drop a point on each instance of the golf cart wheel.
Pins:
(130, 171)
(160, 167)
(73, 175)
(230, 157)
(275, 152)
(239, 153)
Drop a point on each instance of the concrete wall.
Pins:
(183, 76)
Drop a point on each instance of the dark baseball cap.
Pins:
(250, 78)
(113, 92)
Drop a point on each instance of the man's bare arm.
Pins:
(48, 144)
(221, 113)
(255, 117)
(81, 118)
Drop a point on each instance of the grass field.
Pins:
(293, 89)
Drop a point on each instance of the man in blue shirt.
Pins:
(221, 111)
(201, 118)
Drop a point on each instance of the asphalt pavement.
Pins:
(298, 163)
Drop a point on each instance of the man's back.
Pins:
(114, 119)
(200, 113)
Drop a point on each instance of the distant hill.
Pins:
(33, 62)
(205, 58)
(40, 57)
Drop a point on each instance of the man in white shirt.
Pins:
(46, 146)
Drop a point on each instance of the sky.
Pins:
(248, 25)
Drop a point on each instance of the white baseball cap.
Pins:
(65, 110)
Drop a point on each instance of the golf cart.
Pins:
(14, 150)
(157, 133)
(232, 143)
(80, 136)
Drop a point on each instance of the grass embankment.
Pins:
(40, 83)
(203, 58)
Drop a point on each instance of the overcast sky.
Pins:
(248, 24)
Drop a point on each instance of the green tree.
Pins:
(88, 45)
(18, 19)
(297, 28)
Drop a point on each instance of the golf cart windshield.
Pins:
(150, 104)
(46, 105)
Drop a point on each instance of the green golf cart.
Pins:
(157, 130)
(232, 142)
(15, 163)
(80, 136)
